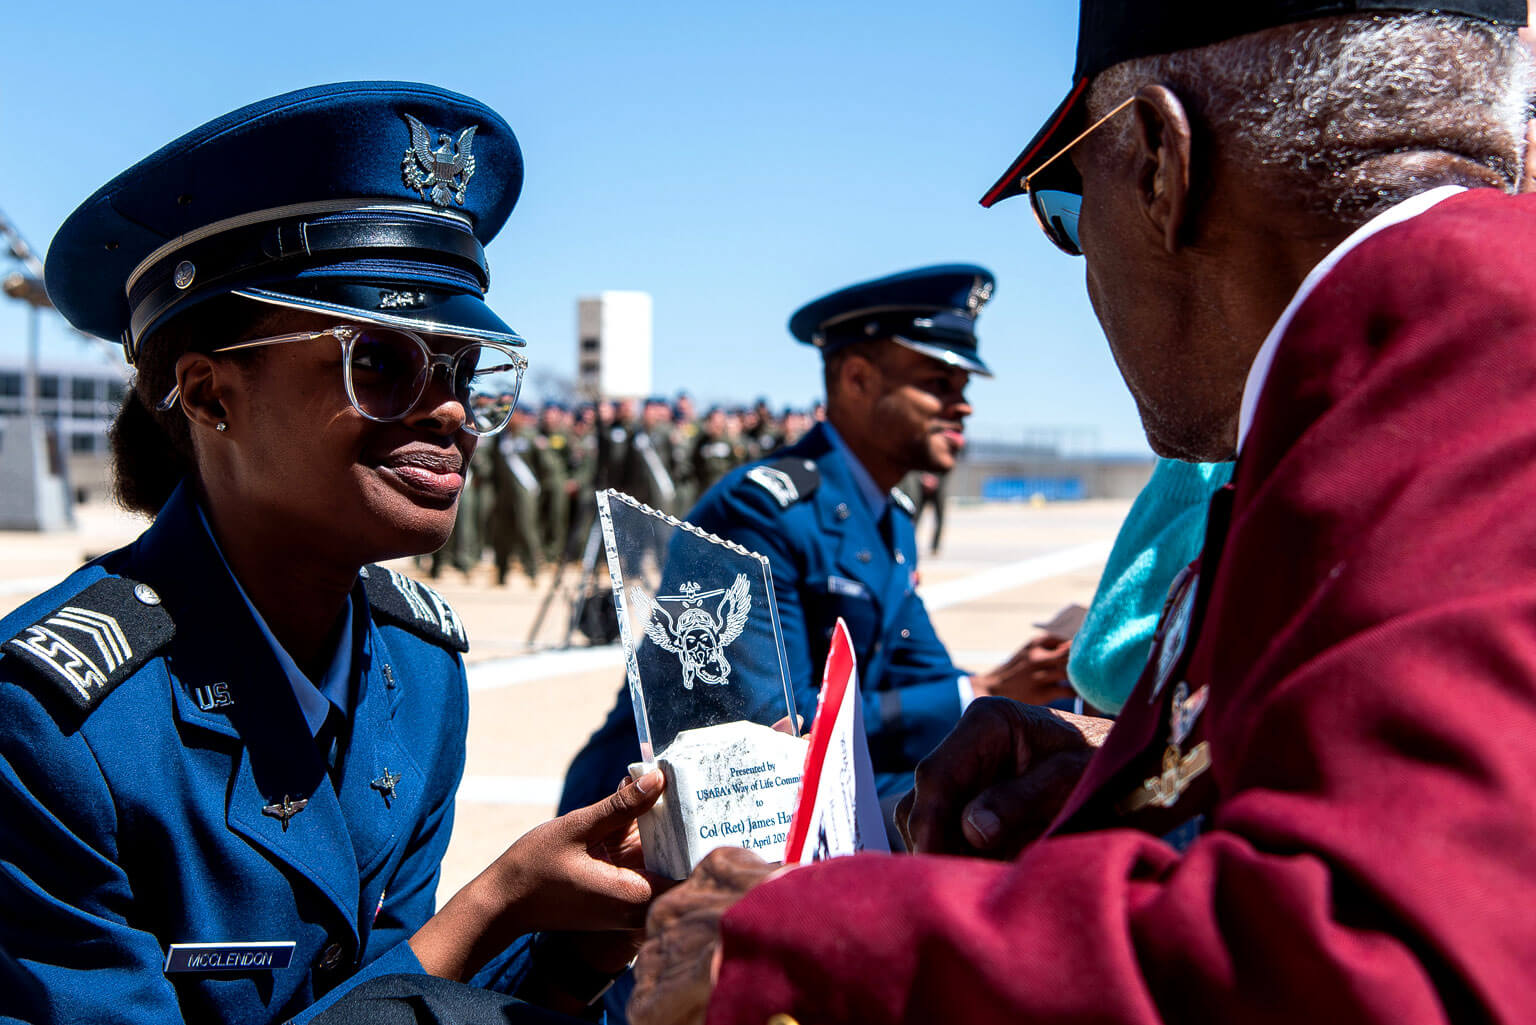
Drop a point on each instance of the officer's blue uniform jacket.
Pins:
(139, 824)
(829, 559)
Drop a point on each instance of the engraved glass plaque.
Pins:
(709, 681)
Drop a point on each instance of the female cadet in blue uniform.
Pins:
(229, 751)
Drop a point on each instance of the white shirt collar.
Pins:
(1259, 372)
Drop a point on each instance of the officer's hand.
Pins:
(1035, 675)
(998, 779)
(677, 967)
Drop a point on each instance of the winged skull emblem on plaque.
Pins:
(441, 173)
(697, 636)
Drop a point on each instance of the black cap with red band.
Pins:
(1112, 31)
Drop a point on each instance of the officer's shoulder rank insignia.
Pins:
(95, 640)
(788, 480)
(413, 605)
(903, 500)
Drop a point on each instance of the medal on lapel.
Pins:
(1179, 769)
(1173, 627)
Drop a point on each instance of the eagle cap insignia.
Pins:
(981, 291)
(440, 173)
(697, 635)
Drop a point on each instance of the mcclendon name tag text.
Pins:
(228, 957)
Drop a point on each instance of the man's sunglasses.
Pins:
(1057, 199)
(387, 371)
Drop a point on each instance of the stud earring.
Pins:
(221, 426)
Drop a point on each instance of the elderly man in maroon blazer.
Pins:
(1320, 803)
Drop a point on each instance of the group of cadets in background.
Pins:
(529, 496)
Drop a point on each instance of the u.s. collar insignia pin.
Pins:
(438, 173)
(385, 784)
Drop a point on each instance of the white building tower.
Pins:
(613, 346)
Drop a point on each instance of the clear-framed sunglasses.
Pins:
(387, 371)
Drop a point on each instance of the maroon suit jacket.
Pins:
(1367, 629)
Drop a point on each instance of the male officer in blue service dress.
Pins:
(229, 751)
(898, 352)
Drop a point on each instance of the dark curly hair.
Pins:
(152, 451)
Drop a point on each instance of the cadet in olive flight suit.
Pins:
(550, 446)
(646, 475)
(514, 519)
(683, 436)
(714, 454)
(581, 477)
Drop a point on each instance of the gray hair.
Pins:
(1319, 103)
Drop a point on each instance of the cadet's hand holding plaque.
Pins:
(581, 872)
(708, 676)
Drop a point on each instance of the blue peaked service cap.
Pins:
(369, 201)
(931, 310)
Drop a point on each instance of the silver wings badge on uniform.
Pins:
(697, 636)
(441, 173)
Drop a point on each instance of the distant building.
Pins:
(613, 347)
(76, 402)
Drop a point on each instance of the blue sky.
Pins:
(734, 160)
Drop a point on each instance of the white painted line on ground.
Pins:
(543, 665)
(1014, 575)
(540, 790)
(520, 669)
(977, 658)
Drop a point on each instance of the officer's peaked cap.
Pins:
(931, 310)
(369, 201)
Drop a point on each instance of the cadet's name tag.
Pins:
(229, 957)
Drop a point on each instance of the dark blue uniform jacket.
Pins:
(829, 558)
(139, 823)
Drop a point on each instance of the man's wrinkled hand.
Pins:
(676, 969)
(998, 780)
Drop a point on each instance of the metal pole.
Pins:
(32, 404)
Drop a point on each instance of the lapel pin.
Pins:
(385, 785)
(286, 809)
